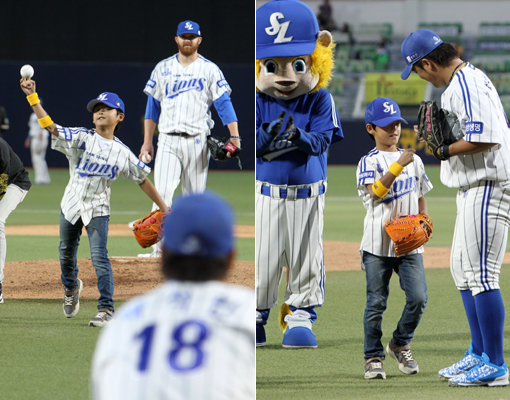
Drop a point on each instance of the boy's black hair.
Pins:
(369, 134)
(119, 111)
(197, 269)
(442, 55)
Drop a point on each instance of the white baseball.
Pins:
(26, 71)
(146, 158)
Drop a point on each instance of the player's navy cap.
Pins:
(188, 27)
(108, 98)
(382, 112)
(285, 28)
(199, 225)
(416, 46)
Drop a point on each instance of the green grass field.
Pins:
(45, 356)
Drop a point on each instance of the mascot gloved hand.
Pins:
(297, 121)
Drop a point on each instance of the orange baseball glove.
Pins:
(148, 230)
(409, 233)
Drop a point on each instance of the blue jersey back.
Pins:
(303, 161)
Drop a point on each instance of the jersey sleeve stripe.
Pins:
(465, 94)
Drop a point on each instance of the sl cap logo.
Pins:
(188, 26)
(277, 28)
(389, 107)
(102, 96)
(436, 39)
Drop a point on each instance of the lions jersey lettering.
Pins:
(183, 85)
(88, 168)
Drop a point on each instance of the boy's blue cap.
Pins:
(382, 112)
(199, 225)
(416, 46)
(188, 27)
(108, 98)
(285, 28)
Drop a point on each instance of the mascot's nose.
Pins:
(285, 83)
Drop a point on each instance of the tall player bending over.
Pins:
(96, 158)
(392, 183)
(180, 92)
(479, 166)
(190, 338)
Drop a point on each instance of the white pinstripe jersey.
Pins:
(182, 340)
(94, 163)
(186, 93)
(474, 100)
(401, 200)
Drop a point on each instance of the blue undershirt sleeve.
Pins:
(225, 109)
(153, 109)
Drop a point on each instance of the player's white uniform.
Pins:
(401, 200)
(182, 340)
(38, 144)
(483, 179)
(186, 94)
(94, 163)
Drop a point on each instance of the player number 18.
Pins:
(186, 351)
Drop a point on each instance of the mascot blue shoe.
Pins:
(297, 329)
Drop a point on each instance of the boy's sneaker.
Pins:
(72, 300)
(405, 360)
(374, 369)
(467, 362)
(102, 317)
(483, 374)
(1, 294)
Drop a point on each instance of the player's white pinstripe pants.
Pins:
(12, 197)
(479, 240)
(288, 232)
(180, 158)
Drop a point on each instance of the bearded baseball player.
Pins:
(96, 158)
(297, 122)
(190, 338)
(180, 92)
(479, 167)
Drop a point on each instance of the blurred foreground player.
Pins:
(192, 337)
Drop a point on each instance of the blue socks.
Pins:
(476, 335)
(491, 319)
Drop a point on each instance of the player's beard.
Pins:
(188, 50)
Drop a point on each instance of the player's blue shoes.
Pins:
(483, 374)
(260, 340)
(467, 362)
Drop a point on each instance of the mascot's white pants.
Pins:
(288, 233)
(12, 197)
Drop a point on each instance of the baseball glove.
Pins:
(219, 148)
(438, 128)
(148, 230)
(409, 233)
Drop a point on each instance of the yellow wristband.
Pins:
(33, 99)
(396, 169)
(45, 121)
(379, 189)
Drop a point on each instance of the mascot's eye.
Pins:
(299, 66)
(271, 67)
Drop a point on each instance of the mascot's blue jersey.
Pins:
(303, 161)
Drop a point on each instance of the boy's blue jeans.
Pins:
(412, 281)
(97, 232)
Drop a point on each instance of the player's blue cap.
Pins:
(199, 225)
(382, 112)
(285, 28)
(188, 27)
(110, 99)
(416, 46)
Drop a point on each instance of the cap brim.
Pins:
(386, 121)
(92, 103)
(285, 50)
(407, 71)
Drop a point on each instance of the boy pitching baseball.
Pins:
(96, 158)
(392, 183)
